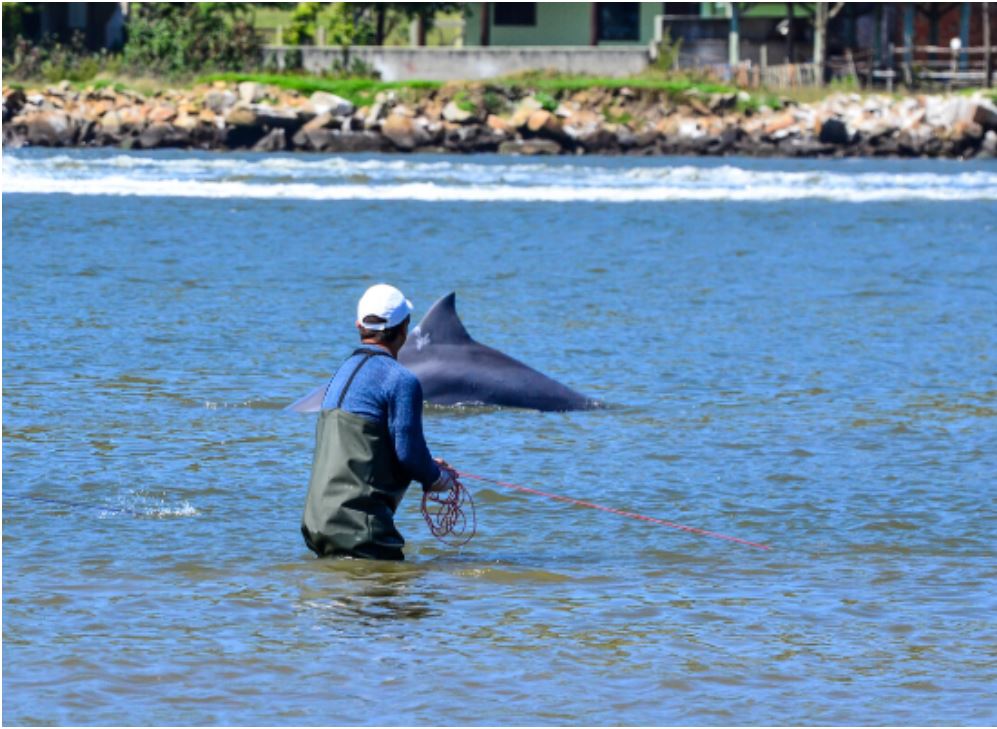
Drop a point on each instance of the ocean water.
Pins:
(799, 354)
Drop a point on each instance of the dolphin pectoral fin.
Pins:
(310, 403)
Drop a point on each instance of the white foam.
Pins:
(447, 180)
(116, 185)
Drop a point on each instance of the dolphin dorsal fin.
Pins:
(441, 325)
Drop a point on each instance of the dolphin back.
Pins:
(455, 369)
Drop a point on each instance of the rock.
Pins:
(400, 129)
(779, 123)
(220, 101)
(242, 115)
(523, 112)
(498, 124)
(162, 114)
(989, 145)
(46, 128)
(322, 121)
(273, 118)
(543, 123)
(690, 129)
(834, 131)
(274, 141)
(427, 133)
(162, 135)
(625, 137)
(806, 148)
(13, 102)
(323, 102)
(597, 139)
(206, 116)
(250, 92)
(329, 140)
(722, 102)
(454, 114)
(467, 138)
(530, 147)
(698, 106)
(187, 123)
(985, 115)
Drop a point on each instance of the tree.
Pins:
(175, 38)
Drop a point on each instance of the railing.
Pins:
(942, 65)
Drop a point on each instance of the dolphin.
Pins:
(453, 369)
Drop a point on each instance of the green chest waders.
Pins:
(355, 486)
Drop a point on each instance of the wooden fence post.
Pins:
(988, 58)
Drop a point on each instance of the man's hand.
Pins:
(447, 479)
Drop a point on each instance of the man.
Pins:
(369, 443)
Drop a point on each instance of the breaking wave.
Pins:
(325, 178)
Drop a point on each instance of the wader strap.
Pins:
(367, 355)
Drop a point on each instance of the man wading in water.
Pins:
(369, 443)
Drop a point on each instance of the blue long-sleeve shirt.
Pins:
(386, 393)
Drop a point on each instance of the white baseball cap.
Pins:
(385, 302)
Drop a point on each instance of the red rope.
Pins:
(630, 514)
(445, 514)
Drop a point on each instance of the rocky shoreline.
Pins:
(479, 118)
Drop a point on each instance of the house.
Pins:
(102, 25)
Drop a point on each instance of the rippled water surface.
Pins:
(802, 355)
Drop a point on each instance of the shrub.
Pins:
(184, 38)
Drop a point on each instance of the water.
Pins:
(800, 354)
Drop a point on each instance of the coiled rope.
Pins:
(450, 515)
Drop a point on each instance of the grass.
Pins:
(360, 91)
(671, 85)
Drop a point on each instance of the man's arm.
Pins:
(405, 426)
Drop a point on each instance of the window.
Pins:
(682, 9)
(619, 21)
(515, 13)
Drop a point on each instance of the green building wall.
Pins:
(558, 24)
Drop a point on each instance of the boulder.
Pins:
(206, 116)
(274, 141)
(596, 139)
(160, 135)
(834, 131)
(400, 129)
(242, 115)
(329, 140)
(220, 101)
(323, 102)
(530, 147)
(46, 128)
(454, 114)
(523, 112)
(250, 92)
(467, 138)
(989, 145)
(13, 102)
(187, 123)
(271, 117)
(985, 115)
(162, 114)
(625, 137)
(543, 123)
(427, 133)
(778, 123)
(498, 124)
(322, 121)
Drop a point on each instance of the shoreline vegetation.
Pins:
(74, 97)
(535, 114)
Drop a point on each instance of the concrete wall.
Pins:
(452, 64)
